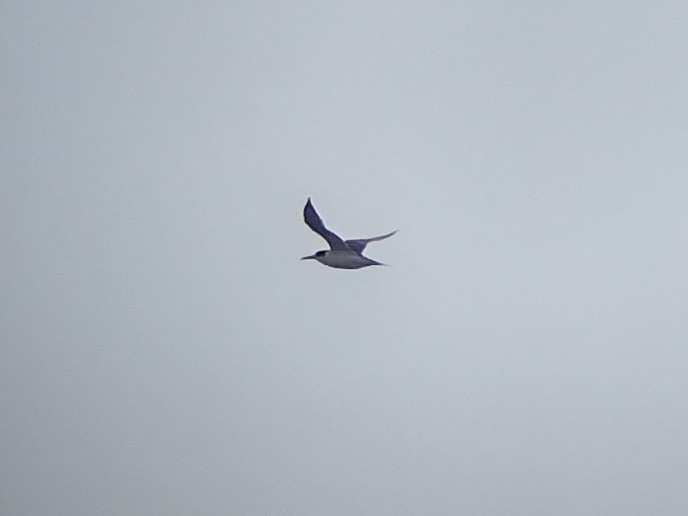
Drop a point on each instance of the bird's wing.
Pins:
(314, 222)
(360, 244)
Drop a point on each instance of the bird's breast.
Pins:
(343, 260)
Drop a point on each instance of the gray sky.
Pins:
(164, 351)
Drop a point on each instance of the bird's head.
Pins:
(315, 256)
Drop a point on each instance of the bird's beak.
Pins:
(311, 257)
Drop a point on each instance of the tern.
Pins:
(343, 254)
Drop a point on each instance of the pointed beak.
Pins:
(311, 257)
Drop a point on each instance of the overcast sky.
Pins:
(164, 350)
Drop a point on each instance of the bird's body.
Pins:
(344, 260)
(343, 254)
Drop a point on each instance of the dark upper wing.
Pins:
(314, 222)
(360, 244)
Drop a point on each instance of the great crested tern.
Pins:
(343, 254)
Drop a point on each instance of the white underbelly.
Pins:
(344, 260)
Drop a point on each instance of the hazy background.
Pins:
(164, 351)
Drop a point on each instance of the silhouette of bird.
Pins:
(342, 254)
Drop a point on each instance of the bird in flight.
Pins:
(343, 254)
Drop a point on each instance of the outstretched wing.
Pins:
(360, 244)
(314, 222)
